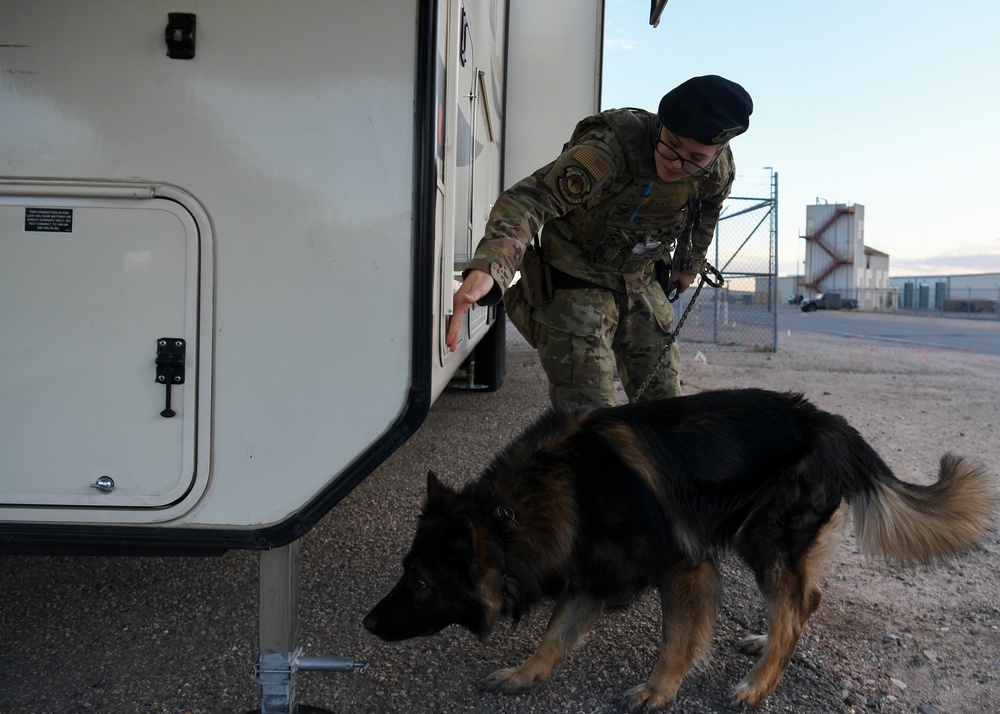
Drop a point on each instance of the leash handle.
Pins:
(716, 281)
(674, 293)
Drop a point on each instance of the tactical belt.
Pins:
(565, 281)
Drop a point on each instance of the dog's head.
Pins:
(453, 574)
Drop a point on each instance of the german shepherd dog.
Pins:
(591, 507)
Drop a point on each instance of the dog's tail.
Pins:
(909, 523)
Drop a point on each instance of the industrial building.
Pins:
(838, 261)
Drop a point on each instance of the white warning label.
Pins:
(48, 220)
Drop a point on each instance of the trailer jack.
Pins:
(280, 657)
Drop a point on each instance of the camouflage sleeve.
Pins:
(713, 192)
(569, 183)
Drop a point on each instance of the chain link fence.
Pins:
(744, 311)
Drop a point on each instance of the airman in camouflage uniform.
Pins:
(631, 188)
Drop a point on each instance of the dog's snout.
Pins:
(371, 622)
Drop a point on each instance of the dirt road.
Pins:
(179, 635)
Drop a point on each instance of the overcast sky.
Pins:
(892, 104)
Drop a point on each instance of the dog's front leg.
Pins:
(571, 620)
(688, 594)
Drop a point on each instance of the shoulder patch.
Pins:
(574, 184)
(592, 161)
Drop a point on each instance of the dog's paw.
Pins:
(512, 680)
(745, 694)
(644, 698)
(753, 645)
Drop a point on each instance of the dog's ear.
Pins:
(437, 492)
(459, 541)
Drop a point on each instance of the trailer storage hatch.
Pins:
(99, 311)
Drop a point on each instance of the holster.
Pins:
(536, 276)
(661, 274)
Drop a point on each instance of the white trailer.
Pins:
(230, 231)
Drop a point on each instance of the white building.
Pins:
(838, 261)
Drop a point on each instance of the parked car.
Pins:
(828, 301)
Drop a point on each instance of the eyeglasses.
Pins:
(692, 168)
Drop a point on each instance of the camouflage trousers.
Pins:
(584, 333)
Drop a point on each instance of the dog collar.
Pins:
(507, 514)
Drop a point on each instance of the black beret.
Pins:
(709, 109)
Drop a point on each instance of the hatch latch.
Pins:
(169, 366)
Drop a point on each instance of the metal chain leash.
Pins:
(716, 282)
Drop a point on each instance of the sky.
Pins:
(890, 104)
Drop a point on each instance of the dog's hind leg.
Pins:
(688, 595)
(571, 620)
(791, 600)
(792, 596)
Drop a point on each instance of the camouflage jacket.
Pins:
(607, 216)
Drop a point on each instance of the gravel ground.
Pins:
(179, 635)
